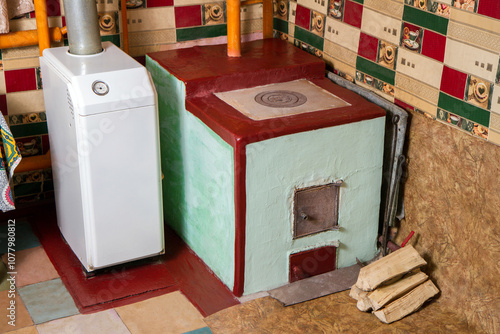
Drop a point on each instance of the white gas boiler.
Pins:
(104, 142)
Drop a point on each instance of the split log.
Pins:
(407, 304)
(386, 294)
(395, 264)
(363, 303)
(354, 293)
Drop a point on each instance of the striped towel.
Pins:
(10, 157)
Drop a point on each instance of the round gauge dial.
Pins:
(100, 88)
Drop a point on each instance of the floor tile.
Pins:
(24, 237)
(25, 330)
(47, 301)
(170, 313)
(32, 266)
(22, 317)
(102, 322)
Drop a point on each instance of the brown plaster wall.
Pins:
(452, 202)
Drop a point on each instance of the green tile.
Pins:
(358, 1)
(47, 186)
(309, 38)
(375, 70)
(280, 25)
(188, 34)
(47, 301)
(30, 129)
(0, 54)
(115, 39)
(425, 19)
(464, 109)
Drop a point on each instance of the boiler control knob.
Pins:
(100, 88)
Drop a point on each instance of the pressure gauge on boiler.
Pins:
(100, 88)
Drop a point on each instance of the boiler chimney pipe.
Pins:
(83, 28)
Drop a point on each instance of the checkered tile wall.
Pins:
(441, 58)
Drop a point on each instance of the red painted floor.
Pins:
(178, 270)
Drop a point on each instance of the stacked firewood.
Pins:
(393, 286)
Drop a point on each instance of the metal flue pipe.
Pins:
(83, 27)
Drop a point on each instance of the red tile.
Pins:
(403, 105)
(303, 17)
(353, 12)
(368, 47)
(3, 104)
(433, 45)
(453, 82)
(187, 16)
(53, 8)
(159, 3)
(20, 80)
(45, 144)
(489, 8)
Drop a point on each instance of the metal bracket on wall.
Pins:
(395, 132)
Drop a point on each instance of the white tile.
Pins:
(293, 10)
(251, 12)
(2, 83)
(107, 5)
(495, 99)
(470, 59)
(320, 6)
(419, 67)
(24, 102)
(381, 26)
(342, 34)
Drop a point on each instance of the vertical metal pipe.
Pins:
(83, 27)
(233, 28)
(42, 25)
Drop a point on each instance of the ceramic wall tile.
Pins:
(145, 19)
(320, 6)
(3, 104)
(433, 45)
(22, 102)
(471, 19)
(251, 26)
(20, 80)
(415, 101)
(419, 67)
(489, 8)
(472, 60)
(188, 16)
(386, 7)
(453, 82)
(418, 88)
(253, 12)
(193, 33)
(2, 83)
(474, 36)
(159, 3)
(342, 34)
(495, 122)
(495, 99)
(15, 64)
(494, 137)
(152, 37)
(464, 109)
(108, 5)
(353, 13)
(381, 26)
(303, 17)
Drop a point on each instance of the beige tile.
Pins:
(2, 82)
(495, 99)
(340, 53)
(152, 37)
(107, 5)
(251, 26)
(495, 121)
(494, 137)
(170, 313)
(15, 64)
(26, 52)
(472, 19)
(25, 330)
(25, 102)
(470, 59)
(251, 12)
(381, 26)
(102, 322)
(33, 266)
(419, 67)
(474, 36)
(415, 101)
(320, 6)
(342, 34)
(144, 19)
(292, 11)
(388, 7)
(30, 24)
(22, 317)
(418, 88)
